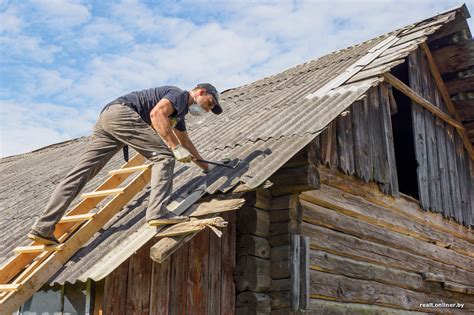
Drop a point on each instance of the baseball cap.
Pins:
(217, 109)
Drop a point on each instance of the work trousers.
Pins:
(116, 126)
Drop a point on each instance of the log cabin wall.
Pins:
(371, 253)
(360, 141)
(196, 279)
(272, 271)
(445, 170)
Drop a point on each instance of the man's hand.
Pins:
(182, 154)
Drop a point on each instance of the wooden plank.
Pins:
(304, 272)
(115, 290)
(98, 296)
(402, 87)
(378, 156)
(386, 219)
(198, 274)
(215, 275)
(345, 245)
(458, 85)
(77, 218)
(361, 149)
(318, 306)
(130, 169)
(192, 227)
(102, 193)
(160, 288)
(351, 268)
(405, 205)
(179, 281)
(15, 264)
(456, 287)
(461, 156)
(10, 287)
(139, 282)
(228, 266)
(455, 57)
(37, 248)
(453, 175)
(387, 143)
(322, 216)
(215, 206)
(446, 200)
(329, 286)
(345, 144)
(295, 275)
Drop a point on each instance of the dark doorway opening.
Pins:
(403, 138)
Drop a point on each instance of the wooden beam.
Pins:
(405, 89)
(77, 217)
(215, 206)
(193, 226)
(130, 169)
(447, 99)
(10, 287)
(402, 87)
(102, 193)
(36, 248)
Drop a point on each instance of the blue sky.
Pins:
(62, 60)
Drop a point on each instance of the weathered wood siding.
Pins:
(444, 166)
(372, 253)
(197, 279)
(360, 142)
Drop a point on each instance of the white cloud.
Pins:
(11, 22)
(27, 126)
(23, 47)
(61, 13)
(102, 32)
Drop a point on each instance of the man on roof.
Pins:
(153, 123)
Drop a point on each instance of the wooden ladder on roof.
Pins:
(32, 266)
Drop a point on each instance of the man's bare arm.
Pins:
(160, 121)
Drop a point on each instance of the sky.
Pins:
(61, 61)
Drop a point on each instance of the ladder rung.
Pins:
(77, 217)
(9, 287)
(37, 248)
(101, 193)
(130, 169)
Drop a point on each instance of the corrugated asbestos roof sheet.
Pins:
(264, 123)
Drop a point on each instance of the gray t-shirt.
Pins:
(143, 102)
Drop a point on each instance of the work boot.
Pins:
(167, 218)
(42, 239)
